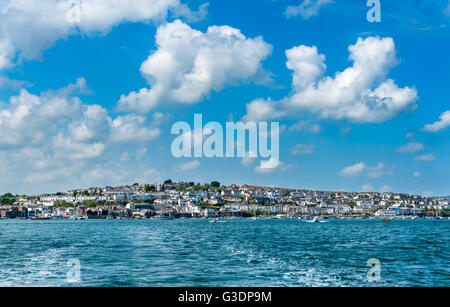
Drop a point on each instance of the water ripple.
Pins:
(230, 253)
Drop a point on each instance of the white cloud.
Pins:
(411, 147)
(444, 122)
(66, 147)
(29, 27)
(356, 93)
(307, 9)
(6, 53)
(189, 15)
(361, 168)
(417, 174)
(426, 158)
(30, 120)
(361, 93)
(188, 64)
(131, 129)
(307, 64)
(161, 118)
(6, 82)
(262, 110)
(54, 139)
(305, 126)
(354, 170)
(189, 166)
(268, 166)
(303, 149)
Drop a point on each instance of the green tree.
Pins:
(215, 184)
(8, 199)
(149, 188)
(63, 204)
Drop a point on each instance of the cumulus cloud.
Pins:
(29, 27)
(54, 136)
(444, 122)
(132, 129)
(6, 82)
(268, 166)
(189, 15)
(361, 93)
(361, 168)
(353, 170)
(262, 110)
(411, 147)
(306, 9)
(31, 120)
(188, 64)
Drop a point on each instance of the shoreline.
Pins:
(320, 219)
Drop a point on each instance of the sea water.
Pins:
(226, 253)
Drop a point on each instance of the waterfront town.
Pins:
(171, 200)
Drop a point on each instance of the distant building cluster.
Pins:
(188, 200)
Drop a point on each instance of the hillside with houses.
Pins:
(171, 200)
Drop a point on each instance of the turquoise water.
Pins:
(228, 253)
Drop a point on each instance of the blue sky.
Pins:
(59, 133)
